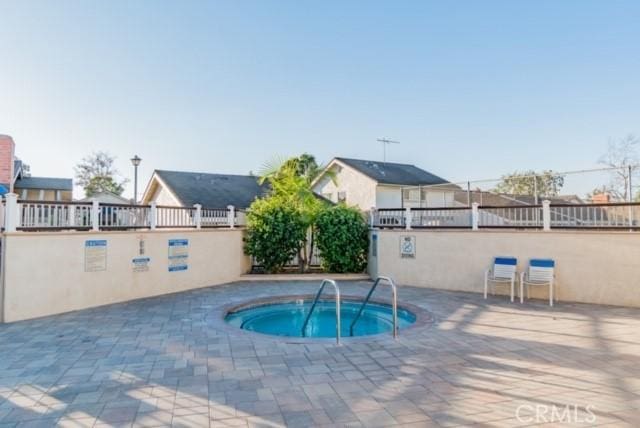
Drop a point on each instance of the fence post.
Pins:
(372, 217)
(12, 213)
(153, 215)
(198, 208)
(72, 215)
(475, 215)
(95, 216)
(231, 213)
(546, 215)
(407, 218)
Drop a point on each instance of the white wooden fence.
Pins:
(622, 216)
(46, 215)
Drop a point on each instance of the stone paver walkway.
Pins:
(169, 361)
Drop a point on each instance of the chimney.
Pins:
(7, 150)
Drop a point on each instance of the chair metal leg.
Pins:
(522, 288)
(486, 285)
(513, 282)
(551, 293)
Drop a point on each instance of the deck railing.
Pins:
(445, 218)
(509, 217)
(620, 216)
(28, 215)
(53, 215)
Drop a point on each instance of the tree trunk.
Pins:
(311, 244)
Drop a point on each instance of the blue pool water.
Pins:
(286, 318)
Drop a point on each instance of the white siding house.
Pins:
(368, 184)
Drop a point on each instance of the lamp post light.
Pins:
(135, 161)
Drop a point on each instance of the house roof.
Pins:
(45, 183)
(17, 168)
(393, 173)
(212, 190)
(106, 197)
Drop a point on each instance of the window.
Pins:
(411, 194)
(342, 196)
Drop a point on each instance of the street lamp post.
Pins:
(135, 161)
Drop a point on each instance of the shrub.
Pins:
(274, 232)
(343, 239)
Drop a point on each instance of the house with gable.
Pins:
(185, 189)
(367, 184)
(15, 177)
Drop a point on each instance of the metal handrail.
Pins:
(394, 305)
(315, 301)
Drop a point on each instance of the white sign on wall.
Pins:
(407, 246)
(95, 255)
(140, 264)
(178, 254)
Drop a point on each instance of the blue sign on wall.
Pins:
(178, 254)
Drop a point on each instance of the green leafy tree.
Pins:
(343, 239)
(290, 181)
(96, 174)
(274, 232)
(547, 183)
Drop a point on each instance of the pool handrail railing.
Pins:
(315, 301)
(394, 304)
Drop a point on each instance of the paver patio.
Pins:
(171, 361)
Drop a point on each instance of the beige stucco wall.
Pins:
(45, 272)
(592, 267)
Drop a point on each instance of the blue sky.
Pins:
(472, 89)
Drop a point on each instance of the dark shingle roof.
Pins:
(393, 173)
(45, 183)
(213, 190)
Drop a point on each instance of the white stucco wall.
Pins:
(45, 272)
(592, 267)
(360, 190)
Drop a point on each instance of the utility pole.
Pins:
(384, 142)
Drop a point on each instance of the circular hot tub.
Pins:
(286, 318)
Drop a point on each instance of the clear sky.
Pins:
(472, 89)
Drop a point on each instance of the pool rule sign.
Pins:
(95, 255)
(178, 254)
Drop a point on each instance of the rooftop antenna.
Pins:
(385, 142)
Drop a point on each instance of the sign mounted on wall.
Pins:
(407, 246)
(141, 264)
(178, 254)
(374, 245)
(95, 255)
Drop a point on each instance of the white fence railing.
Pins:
(45, 215)
(54, 215)
(513, 216)
(622, 216)
(167, 216)
(445, 218)
(603, 216)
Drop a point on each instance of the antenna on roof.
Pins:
(384, 142)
